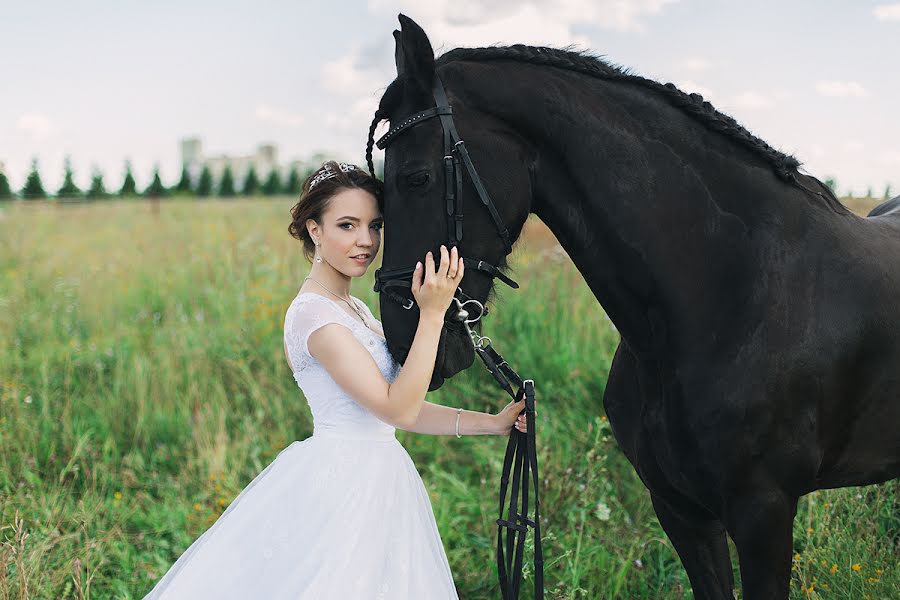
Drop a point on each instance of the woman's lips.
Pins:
(360, 260)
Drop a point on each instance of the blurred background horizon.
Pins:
(104, 83)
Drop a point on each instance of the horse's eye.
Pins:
(418, 179)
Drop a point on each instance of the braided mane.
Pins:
(588, 64)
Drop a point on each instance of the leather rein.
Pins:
(521, 456)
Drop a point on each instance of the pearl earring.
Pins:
(318, 258)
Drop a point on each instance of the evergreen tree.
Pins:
(251, 182)
(129, 187)
(5, 191)
(272, 186)
(869, 192)
(292, 186)
(831, 183)
(887, 192)
(184, 184)
(97, 189)
(33, 186)
(226, 184)
(156, 188)
(68, 189)
(204, 183)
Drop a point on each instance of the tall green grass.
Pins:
(143, 384)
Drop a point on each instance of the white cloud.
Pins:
(36, 125)
(751, 100)
(352, 74)
(841, 89)
(695, 64)
(451, 23)
(692, 87)
(887, 12)
(269, 114)
(852, 146)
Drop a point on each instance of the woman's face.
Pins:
(351, 225)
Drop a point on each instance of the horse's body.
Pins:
(760, 321)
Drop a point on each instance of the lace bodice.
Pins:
(333, 410)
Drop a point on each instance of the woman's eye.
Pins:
(418, 179)
(347, 224)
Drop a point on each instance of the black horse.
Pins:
(760, 319)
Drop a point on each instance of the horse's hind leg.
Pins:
(760, 523)
(703, 549)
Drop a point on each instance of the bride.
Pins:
(344, 512)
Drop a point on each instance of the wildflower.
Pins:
(197, 506)
(824, 563)
(827, 505)
(117, 495)
(221, 501)
(833, 569)
(878, 571)
(811, 588)
(871, 579)
(603, 418)
(856, 567)
(797, 556)
(809, 530)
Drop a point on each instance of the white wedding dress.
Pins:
(341, 514)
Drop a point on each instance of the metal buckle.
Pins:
(408, 306)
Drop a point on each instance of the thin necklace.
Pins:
(339, 298)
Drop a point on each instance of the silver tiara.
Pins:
(327, 173)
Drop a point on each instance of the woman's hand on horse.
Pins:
(512, 416)
(434, 290)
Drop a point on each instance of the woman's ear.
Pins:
(413, 53)
(312, 227)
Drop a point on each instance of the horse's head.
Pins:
(429, 200)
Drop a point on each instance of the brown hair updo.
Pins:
(313, 203)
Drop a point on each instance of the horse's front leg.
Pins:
(698, 538)
(760, 521)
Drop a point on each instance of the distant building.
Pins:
(264, 160)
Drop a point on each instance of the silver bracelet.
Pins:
(458, 412)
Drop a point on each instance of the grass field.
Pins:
(143, 385)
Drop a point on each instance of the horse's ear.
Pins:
(414, 54)
(398, 53)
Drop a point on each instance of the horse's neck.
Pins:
(644, 202)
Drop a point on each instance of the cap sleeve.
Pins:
(306, 314)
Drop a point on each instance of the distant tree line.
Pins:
(203, 187)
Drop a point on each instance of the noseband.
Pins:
(520, 456)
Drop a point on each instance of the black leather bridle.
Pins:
(520, 450)
(455, 156)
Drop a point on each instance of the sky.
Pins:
(106, 81)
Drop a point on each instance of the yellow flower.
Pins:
(833, 569)
(878, 571)
(117, 495)
(871, 580)
(221, 501)
(811, 588)
(824, 562)
(856, 567)
(827, 505)
(809, 530)
(197, 506)
(797, 556)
